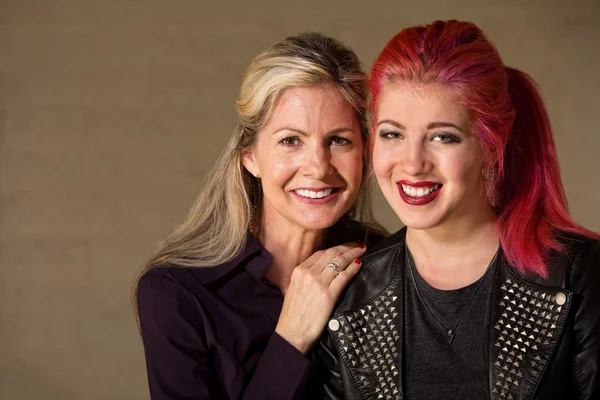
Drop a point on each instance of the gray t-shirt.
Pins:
(435, 368)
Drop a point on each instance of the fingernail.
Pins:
(358, 261)
(361, 244)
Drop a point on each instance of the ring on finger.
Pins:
(335, 266)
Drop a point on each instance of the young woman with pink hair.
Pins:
(492, 291)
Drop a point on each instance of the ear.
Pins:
(249, 161)
(491, 158)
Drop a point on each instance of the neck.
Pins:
(288, 248)
(453, 257)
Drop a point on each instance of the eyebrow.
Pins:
(432, 125)
(301, 132)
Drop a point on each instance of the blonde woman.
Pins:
(233, 300)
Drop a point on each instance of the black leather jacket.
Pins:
(542, 340)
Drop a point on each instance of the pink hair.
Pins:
(509, 116)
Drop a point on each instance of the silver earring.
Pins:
(488, 176)
(256, 174)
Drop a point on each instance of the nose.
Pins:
(319, 162)
(414, 159)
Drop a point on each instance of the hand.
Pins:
(314, 289)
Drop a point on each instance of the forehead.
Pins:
(322, 104)
(409, 102)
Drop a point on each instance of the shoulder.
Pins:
(349, 230)
(582, 253)
(166, 308)
(574, 266)
(386, 246)
(380, 262)
(578, 245)
(161, 288)
(380, 269)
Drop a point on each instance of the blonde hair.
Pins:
(217, 225)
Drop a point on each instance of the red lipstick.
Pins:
(421, 200)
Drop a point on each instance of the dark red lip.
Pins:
(418, 201)
(416, 184)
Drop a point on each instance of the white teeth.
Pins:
(414, 192)
(312, 194)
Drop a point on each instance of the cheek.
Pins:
(350, 167)
(463, 169)
(384, 160)
(281, 164)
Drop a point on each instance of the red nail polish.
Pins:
(358, 261)
(361, 244)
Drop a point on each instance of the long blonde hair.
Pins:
(217, 225)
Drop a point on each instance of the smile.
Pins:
(419, 193)
(310, 194)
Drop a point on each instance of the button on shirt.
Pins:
(209, 333)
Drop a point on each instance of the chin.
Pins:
(418, 226)
(418, 221)
(318, 222)
(317, 226)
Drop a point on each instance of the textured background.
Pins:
(112, 110)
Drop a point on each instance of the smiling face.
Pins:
(309, 157)
(427, 161)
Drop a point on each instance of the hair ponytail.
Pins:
(533, 204)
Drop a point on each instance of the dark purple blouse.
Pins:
(209, 333)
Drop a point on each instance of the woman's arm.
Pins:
(179, 364)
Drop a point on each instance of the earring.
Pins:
(488, 176)
(256, 174)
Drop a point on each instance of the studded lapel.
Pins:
(369, 339)
(526, 326)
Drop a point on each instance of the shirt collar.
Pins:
(254, 257)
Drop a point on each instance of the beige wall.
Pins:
(112, 110)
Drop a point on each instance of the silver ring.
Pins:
(334, 266)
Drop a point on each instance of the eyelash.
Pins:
(443, 136)
(286, 140)
(389, 135)
(344, 141)
(447, 138)
(294, 140)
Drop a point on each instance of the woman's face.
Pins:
(426, 158)
(309, 158)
